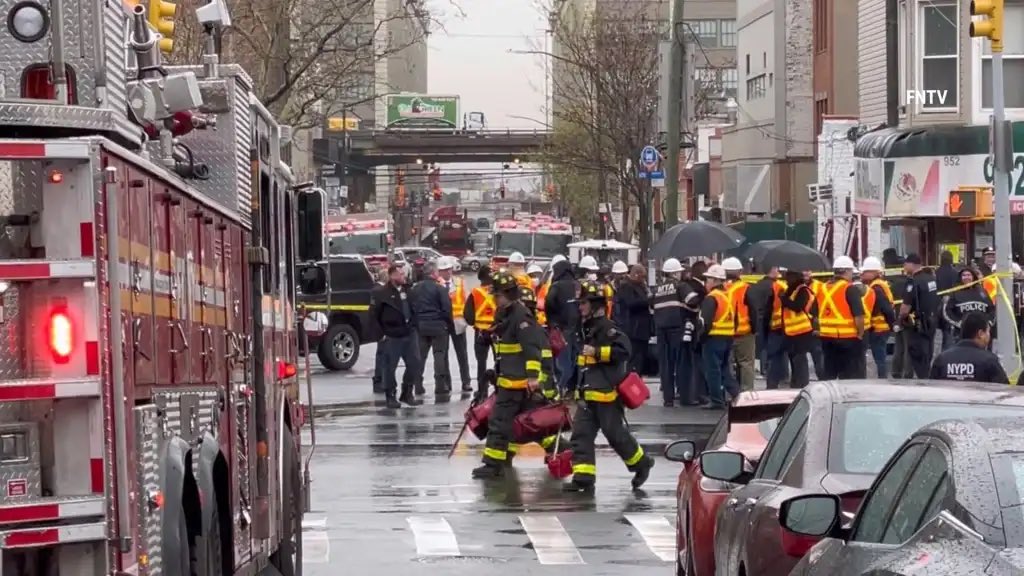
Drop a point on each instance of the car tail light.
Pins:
(796, 545)
(60, 335)
(37, 83)
(286, 370)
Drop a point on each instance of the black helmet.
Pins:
(484, 273)
(593, 292)
(506, 283)
(526, 296)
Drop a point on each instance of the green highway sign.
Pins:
(419, 111)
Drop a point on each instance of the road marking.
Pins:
(433, 486)
(551, 542)
(656, 531)
(434, 537)
(316, 548)
(314, 523)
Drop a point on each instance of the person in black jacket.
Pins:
(432, 308)
(633, 315)
(379, 361)
(394, 315)
(563, 315)
(957, 305)
(946, 277)
(968, 360)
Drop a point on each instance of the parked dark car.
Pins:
(335, 294)
(834, 439)
(950, 501)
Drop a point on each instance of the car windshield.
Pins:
(550, 245)
(357, 244)
(506, 243)
(869, 433)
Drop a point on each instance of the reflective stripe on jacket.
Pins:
(483, 308)
(799, 323)
(878, 322)
(834, 315)
(738, 297)
(724, 322)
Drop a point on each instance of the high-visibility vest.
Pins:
(458, 297)
(609, 303)
(542, 295)
(798, 323)
(835, 318)
(991, 285)
(816, 286)
(738, 296)
(778, 287)
(484, 308)
(524, 280)
(878, 323)
(724, 322)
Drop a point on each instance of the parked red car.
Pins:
(745, 428)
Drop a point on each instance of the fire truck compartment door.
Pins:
(172, 483)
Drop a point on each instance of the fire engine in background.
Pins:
(538, 237)
(452, 232)
(149, 401)
(368, 235)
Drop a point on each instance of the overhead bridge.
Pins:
(369, 148)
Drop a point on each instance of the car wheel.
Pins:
(339, 347)
(474, 265)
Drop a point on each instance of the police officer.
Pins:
(918, 314)
(969, 360)
(970, 297)
(518, 369)
(603, 360)
(433, 310)
(718, 318)
(674, 342)
(879, 314)
(479, 313)
(841, 323)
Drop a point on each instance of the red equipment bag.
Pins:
(539, 423)
(557, 340)
(633, 391)
(478, 415)
(560, 465)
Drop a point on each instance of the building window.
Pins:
(1013, 60)
(730, 81)
(821, 27)
(820, 111)
(718, 83)
(939, 72)
(704, 32)
(756, 87)
(748, 64)
(728, 31)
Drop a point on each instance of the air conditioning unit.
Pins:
(819, 193)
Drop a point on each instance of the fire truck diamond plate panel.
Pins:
(149, 440)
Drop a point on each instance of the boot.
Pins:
(467, 387)
(488, 472)
(420, 390)
(408, 398)
(391, 402)
(642, 471)
(578, 486)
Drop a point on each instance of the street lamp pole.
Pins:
(674, 116)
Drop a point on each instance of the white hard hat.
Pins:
(516, 258)
(671, 266)
(843, 263)
(589, 263)
(732, 265)
(716, 271)
(1015, 267)
(534, 269)
(445, 263)
(558, 258)
(619, 267)
(871, 264)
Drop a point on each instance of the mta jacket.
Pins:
(603, 372)
(432, 307)
(968, 362)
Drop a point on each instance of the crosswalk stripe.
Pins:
(551, 542)
(434, 536)
(657, 533)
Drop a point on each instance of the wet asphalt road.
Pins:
(386, 499)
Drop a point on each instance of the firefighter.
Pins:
(432, 308)
(603, 360)
(743, 345)
(518, 360)
(479, 313)
(457, 294)
(674, 341)
(969, 359)
(534, 272)
(879, 315)
(799, 313)
(918, 314)
(517, 268)
(841, 323)
(718, 317)
(546, 378)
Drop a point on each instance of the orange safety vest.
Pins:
(524, 280)
(991, 285)
(609, 303)
(799, 323)
(724, 322)
(484, 308)
(834, 315)
(778, 287)
(816, 286)
(542, 294)
(738, 295)
(878, 323)
(458, 297)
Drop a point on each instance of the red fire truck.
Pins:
(452, 233)
(538, 237)
(368, 235)
(149, 398)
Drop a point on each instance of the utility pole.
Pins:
(675, 107)
(992, 28)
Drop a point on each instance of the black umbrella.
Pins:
(698, 238)
(787, 254)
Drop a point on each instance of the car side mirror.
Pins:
(684, 451)
(724, 466)
(312, 204)
(814, 515)
(312, 280)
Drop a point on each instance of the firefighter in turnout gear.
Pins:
(518, 364)
(603, 361)
(546, 379)
(479, 312)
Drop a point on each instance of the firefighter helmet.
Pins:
(506, 284)
(593, 292)
(526, 296)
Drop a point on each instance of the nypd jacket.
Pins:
(968, 362)
(603, 371)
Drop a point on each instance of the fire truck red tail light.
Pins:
(286, 370)
(60, 335)
(55, 177)
(37, 83)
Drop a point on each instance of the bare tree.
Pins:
(309, 59)
(604, 81)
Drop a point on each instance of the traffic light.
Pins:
(161, 16)
(992, 26)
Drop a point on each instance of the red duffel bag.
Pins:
(633, 391)
(557, 341)
(539, 423)
(478, 415)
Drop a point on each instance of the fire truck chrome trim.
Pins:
(56, 508)
(48, 389)
(35, 537)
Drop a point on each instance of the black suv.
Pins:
(337, 290)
